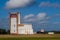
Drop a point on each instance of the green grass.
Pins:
(32, 38)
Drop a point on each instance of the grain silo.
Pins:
(16, 27)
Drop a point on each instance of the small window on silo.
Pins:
(14, 25)
(14, 30)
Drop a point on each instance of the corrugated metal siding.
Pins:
(21, 30)
(26, 29)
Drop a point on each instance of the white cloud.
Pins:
(48, 4)
(44, 4)
(41, 16)
(17, 3)
(28, 16)
(34, 18)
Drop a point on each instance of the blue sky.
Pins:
(38, 12)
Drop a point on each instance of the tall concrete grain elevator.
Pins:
(16, 27)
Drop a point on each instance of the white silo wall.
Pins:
(21, 30)
(13, 25)
(18, 18)
(28, 28)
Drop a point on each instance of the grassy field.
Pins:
(30, 37)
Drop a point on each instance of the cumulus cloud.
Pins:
(29, 16)
(34, 18)
(44, 4)
(48, 4)
(41, 16)
(17, 3)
